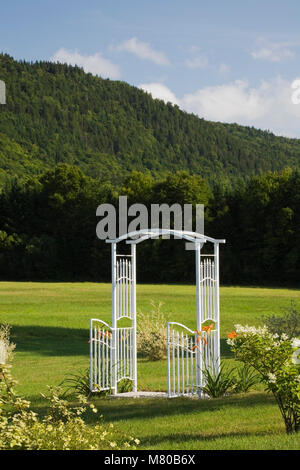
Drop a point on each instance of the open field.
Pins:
(50, 328)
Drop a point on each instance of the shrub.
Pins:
(246, 379)
(62, 428)
(218, 382)
(152, 333)
(288, 322)
(125, 385)
(77, 384)
(6, 347)
(276, 359)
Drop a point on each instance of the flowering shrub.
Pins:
(152, 334)
(63, 427)
(6, 347)
(276, 359)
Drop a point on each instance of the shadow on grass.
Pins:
(60, 341)
(51, 341)
(115, 409)
(180, 438)
(123, 409)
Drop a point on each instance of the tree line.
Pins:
(48, 226)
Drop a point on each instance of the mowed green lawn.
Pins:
(50, 326)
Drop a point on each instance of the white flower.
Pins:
(284, 337)
(272, 378)
(296, 356)
(296, 343)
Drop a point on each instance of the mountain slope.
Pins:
(57, 113)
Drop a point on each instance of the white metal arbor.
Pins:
(113, 353)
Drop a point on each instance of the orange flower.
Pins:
(232, 335)
(208, 328)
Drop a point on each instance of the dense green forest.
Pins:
(70, 141)
(47, 227)
(56, 113)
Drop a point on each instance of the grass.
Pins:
(50, 328)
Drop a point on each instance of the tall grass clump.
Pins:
(152, 333)
(287, 323)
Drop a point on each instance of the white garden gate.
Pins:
(113, 353)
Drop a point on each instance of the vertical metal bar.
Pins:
(202, 290)
(117, 290)
(216, 257)
(198, 371)
(103, 358)
(208, 282)
(182, 361)
(133, 261)
(187, 363)
(95, 356)
(123, 288)
(168, 359)
(192, 364)
(119, 354)
(178, 364)
(122, 352)
(126, 271)
(205, 291)
(173, 359)
(129, 352)
(130, 290)
(198, 294)
(114, 318)
(107, 360)
(99, 358)
(126, 351)
(91, 355)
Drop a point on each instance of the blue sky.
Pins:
(229, 61)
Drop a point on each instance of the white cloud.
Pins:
(143, 50)
(160, 91)
(198, 62)
(273, 52)
(267, 106)
(95, 64)
(227, 102)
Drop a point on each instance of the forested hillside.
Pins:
(70, 141)
(58, 114)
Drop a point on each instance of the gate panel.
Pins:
(209, 314)
(124, 363)
(183, 361)
(124, 287)
(101, 347)
(111, 355)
